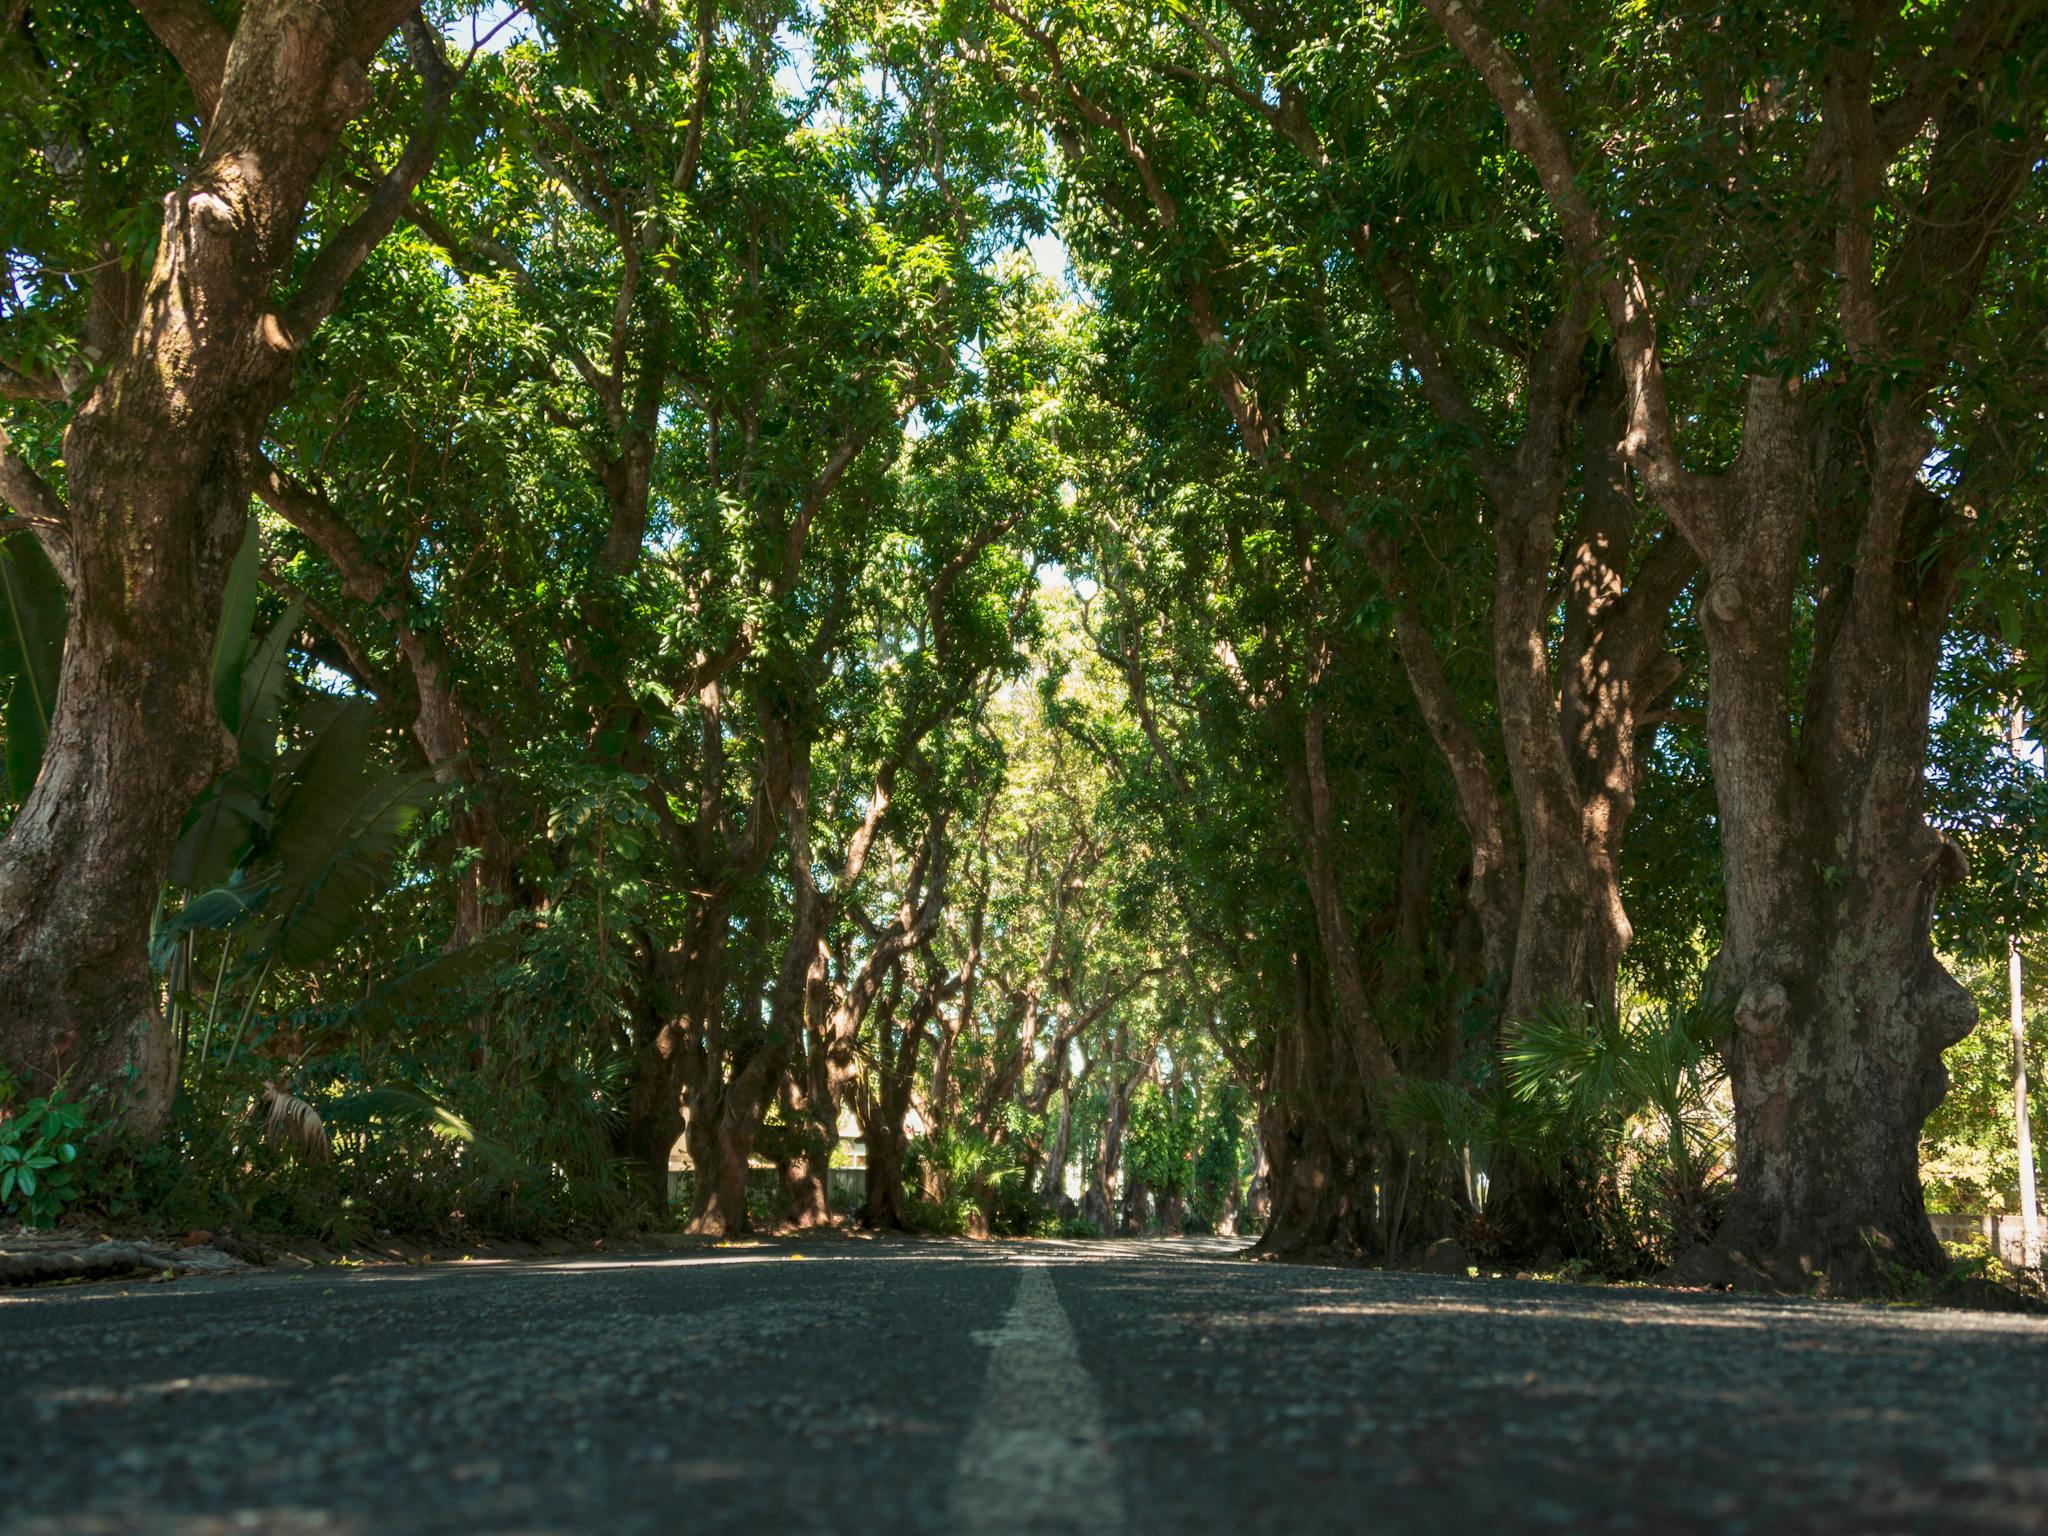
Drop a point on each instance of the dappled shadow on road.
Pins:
(1468, 1404)
(830, 1385)
(747, 1387)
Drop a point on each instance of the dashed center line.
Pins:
(1036, 1458)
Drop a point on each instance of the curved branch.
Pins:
(196, 41)
(338, 259)
(40, 507)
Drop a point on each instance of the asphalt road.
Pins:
(910, 1387)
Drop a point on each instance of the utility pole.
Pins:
(2030, 1210)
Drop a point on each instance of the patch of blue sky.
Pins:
(490, 27)
(1049, 254)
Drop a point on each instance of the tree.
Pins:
(1858, 418)
(154, 388)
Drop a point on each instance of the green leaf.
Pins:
(222, 828)
(218, 910)
(234, 634)
(343, 816)
(33, 615)
(264, 680)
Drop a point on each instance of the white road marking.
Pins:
(1036, 1459)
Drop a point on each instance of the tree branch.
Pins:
(1651, 442)
(320, 292)
(196, 41)
(16, 385)
(40, 507)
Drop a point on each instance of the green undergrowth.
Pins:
(519, 1149)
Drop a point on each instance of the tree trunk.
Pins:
(721, 1145)
(84, 863)
(158, 464)
(678, 994)
(886, 1206)
(1170, 1210)
(1054, 1184)
(1316, 1120)
(1258, 1194)
(1137, 1197)
(1315, 816)
(806, 1180)
(654, 1111)
(1841, 1009)
(806, 1172)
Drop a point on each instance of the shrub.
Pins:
(39, 1154)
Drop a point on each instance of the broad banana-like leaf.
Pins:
(33, 613)
(223, 827)
(249, 680)
(264, 680)
(235, 634)
(343, 817)
(222, 908)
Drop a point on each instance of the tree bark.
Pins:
(885, 1110)
(727, 1108)
(1053, 1186)
(1841, 1008)
(1315, 1125)
(158, 464)
(677, 993)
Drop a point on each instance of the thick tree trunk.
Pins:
(158, 465)
(1136, 1206)
(806, 1173)
(133, 743)
(1316, 817)
(721, 1147)
(1170, 1211)
(1571, 729)
(654, 1111)
(1841, 1008)
(1227, 1212)
(1307, 1201)
(1316, 1128)
(806, 1186)
(1098, 1204)
(1258, 1193)
(730, 1102)
(886, 1206)
(677, 995)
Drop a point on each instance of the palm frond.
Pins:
(292, 1122)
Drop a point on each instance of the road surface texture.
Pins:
(908, 1387)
